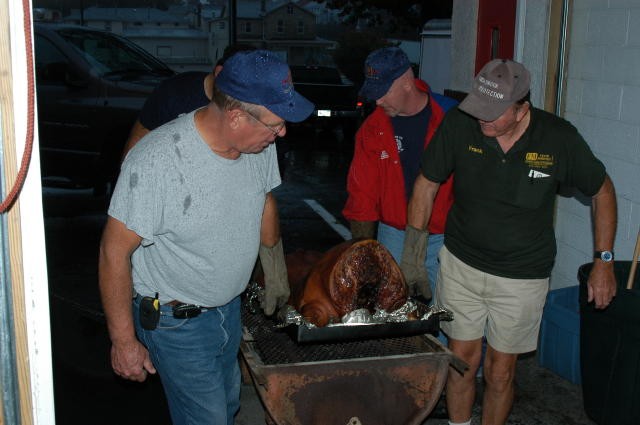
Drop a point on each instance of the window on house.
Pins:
(137, 24)
(300, 27)
(290, 9)
(247, 27)
(107, 26)
(221, 25)
(280, 26)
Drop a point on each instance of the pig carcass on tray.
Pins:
(353, 275)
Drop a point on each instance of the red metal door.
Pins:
(496, 30)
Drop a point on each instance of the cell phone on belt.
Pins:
(149, 312)
(186, 311)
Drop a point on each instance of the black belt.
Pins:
(186, 311)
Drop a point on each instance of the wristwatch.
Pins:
(606, 256)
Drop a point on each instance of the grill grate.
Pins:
(274, 346)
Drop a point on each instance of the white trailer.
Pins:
(435, 54)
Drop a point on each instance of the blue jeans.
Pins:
(197, 362)
(393, 240)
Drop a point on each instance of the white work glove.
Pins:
(276, 282)
(412, 265)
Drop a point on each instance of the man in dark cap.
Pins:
(386, 161)
(178, 95)
(190, 211)
(509, 159)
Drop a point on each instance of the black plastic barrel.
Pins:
(610, 351)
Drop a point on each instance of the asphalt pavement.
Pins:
(310, 200)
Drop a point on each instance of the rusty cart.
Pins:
(383, 381)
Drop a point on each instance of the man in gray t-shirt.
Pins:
(191, 212)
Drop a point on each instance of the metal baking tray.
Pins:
(302, 332)
(305, 334)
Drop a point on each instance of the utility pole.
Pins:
(232, 21)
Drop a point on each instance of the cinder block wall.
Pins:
(602, 100)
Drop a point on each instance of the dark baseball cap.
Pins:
(381, 68)
(261, 78)
(498, 85)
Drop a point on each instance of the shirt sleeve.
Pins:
(438, 158)
(584, 171)
(137, 200)
(273, 178)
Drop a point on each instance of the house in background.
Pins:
(172, 37)
(188, 37)
(324, 14)
(198, 16)
(280, 26)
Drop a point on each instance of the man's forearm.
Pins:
(115, 281)
(116, 292)
(605, 216)
(601, 286)
(270, 224)
(421, 202)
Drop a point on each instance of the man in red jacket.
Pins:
(386, 162)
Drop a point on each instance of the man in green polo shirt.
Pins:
(509, 159)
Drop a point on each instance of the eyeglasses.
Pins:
(276, 130)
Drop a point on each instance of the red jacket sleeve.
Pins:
(363, 179)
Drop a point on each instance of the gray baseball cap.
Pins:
(499, 84)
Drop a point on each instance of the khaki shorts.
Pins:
(507, 311)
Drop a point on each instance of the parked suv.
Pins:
(91, 85)
(335, 97)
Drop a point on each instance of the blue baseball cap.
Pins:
(381, 68)
(261, 78)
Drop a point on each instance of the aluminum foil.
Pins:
(411, 310)
(254, 296)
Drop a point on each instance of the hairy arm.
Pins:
(270, 225)
(602, 282)
(421, 202)
(129, 358)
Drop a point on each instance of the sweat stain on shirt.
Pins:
(186, 204)
(133, 181)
